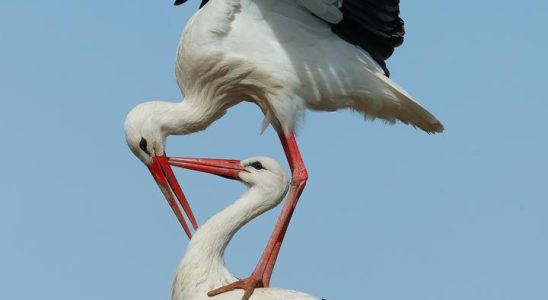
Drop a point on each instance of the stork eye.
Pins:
(257, 165)
(143, 145)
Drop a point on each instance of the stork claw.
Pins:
(248, 285)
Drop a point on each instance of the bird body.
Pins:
(286, 56)
(278, 55)
(202, 267)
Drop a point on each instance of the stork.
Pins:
(202, 267)
(285, 56)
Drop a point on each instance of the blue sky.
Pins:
(388, 213)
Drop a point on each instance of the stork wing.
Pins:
(373, 25)
(328, 10)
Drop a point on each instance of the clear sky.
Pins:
(388, 213)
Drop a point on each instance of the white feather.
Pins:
(277, 54)
(325, 9)
(295, 59)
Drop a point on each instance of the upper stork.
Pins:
(285, 56)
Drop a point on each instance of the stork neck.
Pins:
(187, 117)
(202, 267)
(219, 230)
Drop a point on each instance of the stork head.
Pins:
(259, 172)
(146, 128)
(146, 139)
(265, 173)
(143, 132)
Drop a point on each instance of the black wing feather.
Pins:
(373, 25)
(179, 2)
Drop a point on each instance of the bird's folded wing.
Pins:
(327, 10)
(374, 25)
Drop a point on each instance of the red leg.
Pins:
(298, 182)
(263, 271)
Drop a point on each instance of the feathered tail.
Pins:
(402, 107)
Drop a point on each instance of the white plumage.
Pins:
(286, 56)
(278, 55)
(202, 268)
(275, 53)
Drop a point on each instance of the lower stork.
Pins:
(202, 268)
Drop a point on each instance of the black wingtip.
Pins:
(179, 2)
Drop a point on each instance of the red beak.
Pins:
(162, 173)
(165, 178)
(227, 168)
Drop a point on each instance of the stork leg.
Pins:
(263, 271)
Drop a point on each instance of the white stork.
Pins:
(285, 56)
(202, 267)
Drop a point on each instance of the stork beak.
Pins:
(162, 173)
(165, 178)
(227, 168)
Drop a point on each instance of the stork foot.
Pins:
(248, 285)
